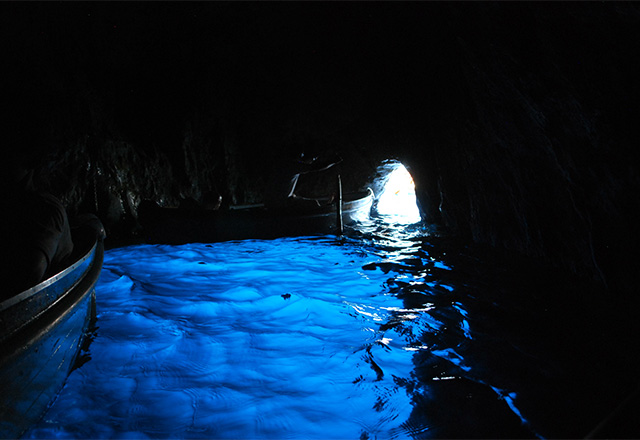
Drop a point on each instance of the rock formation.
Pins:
(516, 120)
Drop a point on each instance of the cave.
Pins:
(513, 120)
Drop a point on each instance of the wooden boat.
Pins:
(178, 225)
(41, 332)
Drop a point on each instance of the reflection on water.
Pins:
(385, 334)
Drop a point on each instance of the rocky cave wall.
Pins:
(515, 120)
(535, 150)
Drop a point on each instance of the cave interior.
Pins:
(515, 120)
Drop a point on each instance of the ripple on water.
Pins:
(286, 338)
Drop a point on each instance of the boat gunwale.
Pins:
(30, 292)
(260, 208)
(168, 225)
(34, 329)
(29, 339)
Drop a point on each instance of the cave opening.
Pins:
(396, 195)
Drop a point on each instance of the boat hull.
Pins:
(178, 226)
(43, 330)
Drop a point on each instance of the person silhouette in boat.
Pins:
(36, 232)
(281, 184)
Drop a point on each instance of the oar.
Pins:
(339, 206)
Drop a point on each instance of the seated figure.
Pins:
(281, 185)
(35, 232)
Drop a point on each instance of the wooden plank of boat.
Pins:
(41, 332)
(176, 226)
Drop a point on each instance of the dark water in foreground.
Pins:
(386, 334)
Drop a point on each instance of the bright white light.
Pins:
(398, 199)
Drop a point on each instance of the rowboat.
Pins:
(42, 330)
(180, 225)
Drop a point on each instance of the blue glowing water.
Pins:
(375, 336)
(250, 339)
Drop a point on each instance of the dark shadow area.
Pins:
(516, 332)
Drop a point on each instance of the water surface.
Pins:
(381, 335)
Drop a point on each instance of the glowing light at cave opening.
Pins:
(397, 202)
